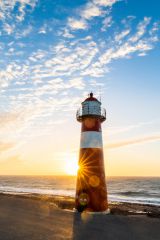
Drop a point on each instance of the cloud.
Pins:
(37, 82)
(7, 7)
(105, 3)
(22, 7)
(13, 12)
(12, 72)
(119, 37)
(24, 33)
(133, 141)
(47, 27)
(95, 8)
(7, 118)
(9, 29)
(141, 29)
(133, 127)
(43, 29)
(76, 83)
(77, 24)
(91, 10)
(67, 34)
(124, 45)
(5, 146)
(31, 102)
(107, 22)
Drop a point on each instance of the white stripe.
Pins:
(91, 139)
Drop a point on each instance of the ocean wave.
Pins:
(71, 193)
(15, 190)
(146, 200)
(137, 193)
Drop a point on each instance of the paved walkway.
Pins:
(28, 219)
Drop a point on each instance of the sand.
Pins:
(33, 217)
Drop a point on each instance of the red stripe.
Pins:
(91, 124)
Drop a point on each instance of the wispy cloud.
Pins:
(120, 37)
(129, 142)
(141, 29)
(124, 46)
(76, 24)
(5, 146)
(7, 8)
(107, 22)
(13, 12)
(91, 10)
(43, 29)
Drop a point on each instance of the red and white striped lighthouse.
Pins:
(91, 192)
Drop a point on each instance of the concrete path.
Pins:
(28, 219)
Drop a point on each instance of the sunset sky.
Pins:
(52, 54)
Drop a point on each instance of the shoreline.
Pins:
(67, 203)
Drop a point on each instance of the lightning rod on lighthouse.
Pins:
(91, 191)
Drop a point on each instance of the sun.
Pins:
(71, 167)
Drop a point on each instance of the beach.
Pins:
(33, 216)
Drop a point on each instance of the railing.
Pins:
(91, 112)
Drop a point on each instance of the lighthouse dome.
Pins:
(91, 98)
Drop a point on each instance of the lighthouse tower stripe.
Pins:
(91, 139)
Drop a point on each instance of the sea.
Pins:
(143, 190)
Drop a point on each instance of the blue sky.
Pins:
(52, 54)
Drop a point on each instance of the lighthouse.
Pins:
(91, 191)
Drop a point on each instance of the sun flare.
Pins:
(71, 167)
